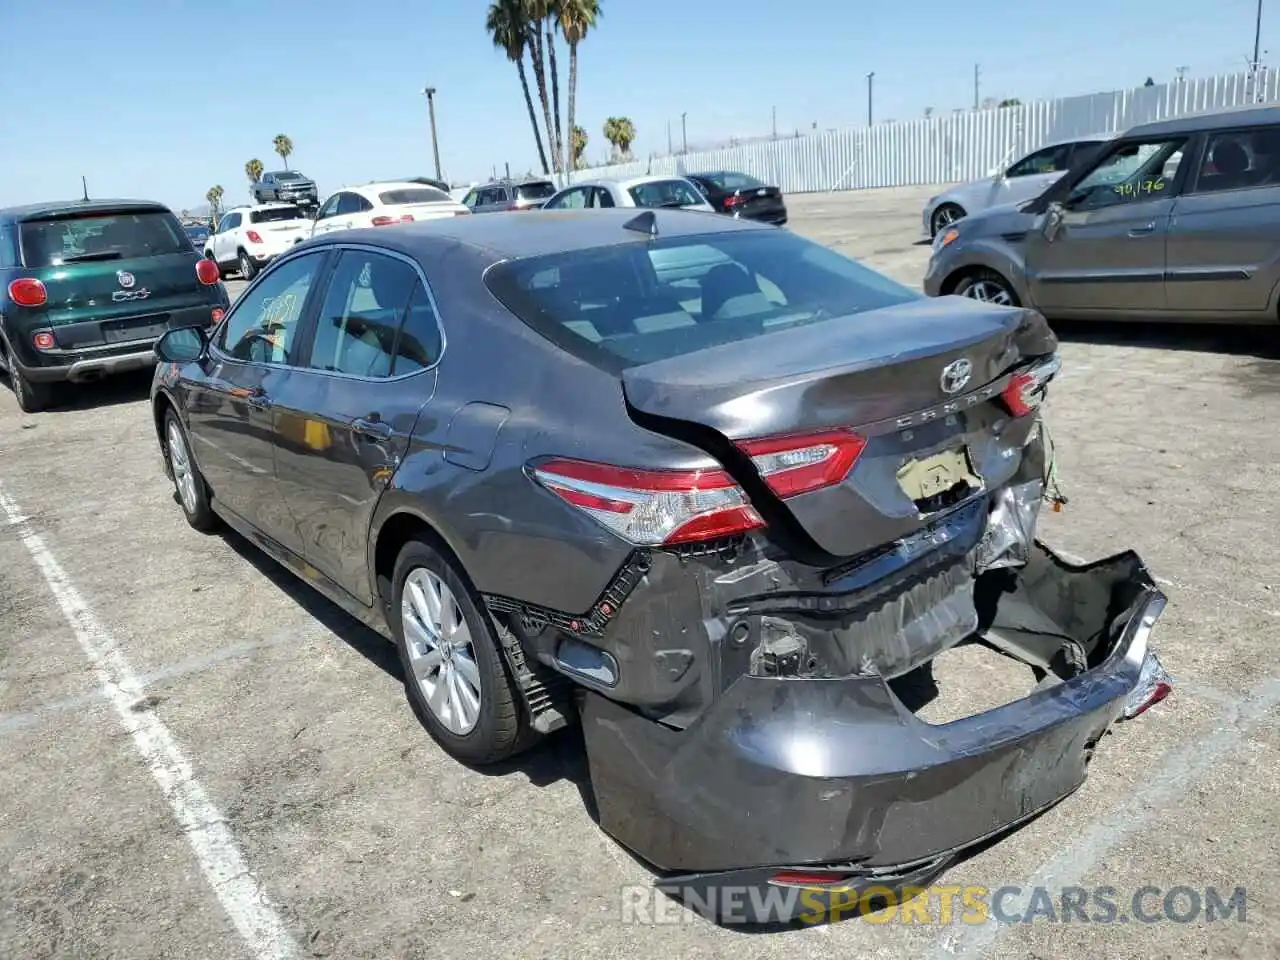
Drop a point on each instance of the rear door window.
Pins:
(628, 304)
(101, 236)
(356, 328)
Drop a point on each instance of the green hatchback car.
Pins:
(88, 286)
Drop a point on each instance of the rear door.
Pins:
(111, 276)
(1224, 236)
(345, 419)
(231, 411)
(1104, 252)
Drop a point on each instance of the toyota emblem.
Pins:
(125, 278)
(955, 375)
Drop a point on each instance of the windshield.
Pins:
(104, 236)
(665, 193)
(276, 213)
(623, 305)
(732, 181)
(535, 191)
(289, 175)
(393, 198)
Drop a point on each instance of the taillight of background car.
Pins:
(382, 221)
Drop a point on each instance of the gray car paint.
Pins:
(1182, 256)
(695, 722)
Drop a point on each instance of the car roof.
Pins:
(539, 232)
(1209, 120)
(55, 208)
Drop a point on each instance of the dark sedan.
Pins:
(704, 486)
(742, 196)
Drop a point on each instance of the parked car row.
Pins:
(660, 489)
(1172, 220)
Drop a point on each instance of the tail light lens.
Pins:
(207, 272)
(1026, 389)
(44, 340)
(664, 507)
(253, 236)
(28, 292)
(734, 201)
(652, 507)
(803, 463)
(388, 221)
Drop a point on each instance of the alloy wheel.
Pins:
(944, 217)
(989, 291)
(184, 479)
(441, 655)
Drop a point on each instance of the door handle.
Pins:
(371, 429)
(1145, 230)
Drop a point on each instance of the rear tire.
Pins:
(31, 397)
(987, 286)
(248, 270)
(455, 674)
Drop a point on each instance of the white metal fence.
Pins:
(961, 146)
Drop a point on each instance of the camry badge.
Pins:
(125, 278)
(955, 375)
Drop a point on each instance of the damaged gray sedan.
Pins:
(701, 485)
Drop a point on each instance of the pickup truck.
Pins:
(288, 186)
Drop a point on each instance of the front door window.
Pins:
(1132, 173)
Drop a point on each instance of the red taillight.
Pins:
(207, 272)
(28, 292)
(734, 201)
(388, 221)
(217, 314)
(44, 340)
(652, 507)
(806, 462)
(253, 236)
(1025, 389)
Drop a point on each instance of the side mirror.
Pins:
(182, 345)
(1052, 221)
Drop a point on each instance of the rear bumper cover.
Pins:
(792, 773)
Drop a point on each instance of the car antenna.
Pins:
(647, 222)
(85, 185)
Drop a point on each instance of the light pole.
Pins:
(684, 134)
(430, 94)
(870, 80)
(1257, 53)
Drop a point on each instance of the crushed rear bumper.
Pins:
(785, 773)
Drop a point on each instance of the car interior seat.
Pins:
(728, 290)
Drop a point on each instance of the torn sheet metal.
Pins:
(1011, 527)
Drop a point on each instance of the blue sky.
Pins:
(164, 98)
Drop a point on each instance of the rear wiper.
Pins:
(84, 257)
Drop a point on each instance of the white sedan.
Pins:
(383, 205)
(636, 192)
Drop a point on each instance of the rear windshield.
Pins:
(666, 193)
(115, 236)
(276, 213)
(542, 190)
(394, 198)
(732, 181)
(629, 304)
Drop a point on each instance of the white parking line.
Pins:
(205, 828)
(1163, 788)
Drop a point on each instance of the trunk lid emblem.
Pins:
(955, 375)
(126, 279)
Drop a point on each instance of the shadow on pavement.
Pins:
(109, 391)
(1260, 342)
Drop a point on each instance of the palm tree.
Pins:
(508, 26)
(620, 132)
(283, 146)
(535, 12)
(214, 196)
(579, 147)
(576, 18)
(253, 170)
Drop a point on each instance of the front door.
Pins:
(232, 415)
(1103, 252)
(224, 240)
(345, 421)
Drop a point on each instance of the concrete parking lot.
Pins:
(202, 758)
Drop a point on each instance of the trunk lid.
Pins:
(880, 373)
(757, 200)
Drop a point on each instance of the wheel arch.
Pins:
(401, 525)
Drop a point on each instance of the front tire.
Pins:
(989, 287)
(943, 217)
(455, 676)
(188, 482)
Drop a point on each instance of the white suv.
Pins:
(383, 205)
(248, 238)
